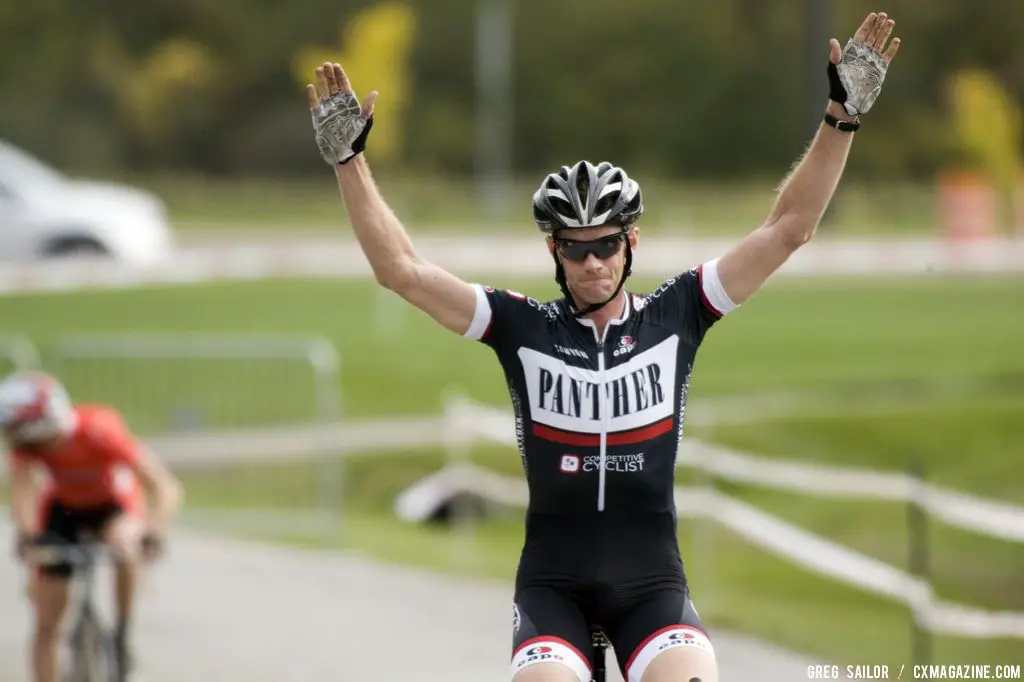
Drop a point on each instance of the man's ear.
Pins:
(634, 238)
(551, 246)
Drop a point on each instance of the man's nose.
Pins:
(593, 263)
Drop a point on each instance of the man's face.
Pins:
(592, 276)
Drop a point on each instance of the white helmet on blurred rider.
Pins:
(34, 407)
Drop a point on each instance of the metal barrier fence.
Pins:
(206, 402)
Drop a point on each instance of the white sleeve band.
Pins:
(481, 315)
(714, 292)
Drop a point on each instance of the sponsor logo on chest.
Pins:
(630, 395)
(626, 345)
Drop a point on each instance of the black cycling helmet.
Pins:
(586, 195)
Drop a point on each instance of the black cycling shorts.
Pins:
(64, 525)
(555, 624)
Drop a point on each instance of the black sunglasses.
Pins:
(603, 248)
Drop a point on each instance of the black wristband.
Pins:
(844, 126)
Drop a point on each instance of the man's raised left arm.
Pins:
(856, 73)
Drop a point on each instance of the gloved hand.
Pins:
(152, 545)
(341, 124)
(856, 74)
(23, 542)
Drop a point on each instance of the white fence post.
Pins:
(458, 444)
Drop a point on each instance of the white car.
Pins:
(45, 214)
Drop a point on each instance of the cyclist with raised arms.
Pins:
(598, 379)
(97, 474)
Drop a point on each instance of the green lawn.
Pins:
(968, 441)
(887, 370)
(854, 341)
(446, 204)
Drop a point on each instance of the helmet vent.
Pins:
(562, 206)
(583, 184)
(606, 203)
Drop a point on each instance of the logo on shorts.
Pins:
(684, 638)
(570, 464)
(545, 650)
(516, 619)
(537, 654)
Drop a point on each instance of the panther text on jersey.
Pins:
(599, 418)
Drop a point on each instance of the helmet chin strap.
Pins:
(593, 307)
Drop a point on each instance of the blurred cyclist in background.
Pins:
(96, 475)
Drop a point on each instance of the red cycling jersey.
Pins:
(94, 466)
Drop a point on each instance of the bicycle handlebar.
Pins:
(53, 554)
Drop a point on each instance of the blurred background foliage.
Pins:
(683, 90)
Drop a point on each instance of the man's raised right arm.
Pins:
(342, 124)
(446, 298)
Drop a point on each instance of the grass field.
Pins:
(441, 204)
(856, 344)
(927, 368)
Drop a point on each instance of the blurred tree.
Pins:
(987, 133)
(377, 43)
(151, 92)
(684, 89)
(440, 135)
(703, 89)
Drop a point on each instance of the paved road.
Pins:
(492, 257)
(220, 610)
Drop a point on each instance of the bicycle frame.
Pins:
(85, 621)
(600, 647)
(85, 573)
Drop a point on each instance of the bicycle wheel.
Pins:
(92, 655)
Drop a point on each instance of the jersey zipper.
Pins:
(602, 472)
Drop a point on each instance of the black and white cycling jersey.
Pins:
(599, 417)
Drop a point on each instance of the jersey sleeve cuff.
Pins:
(481, 316)
(712, 293)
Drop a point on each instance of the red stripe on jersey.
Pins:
(703, 297)
(640, 435)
